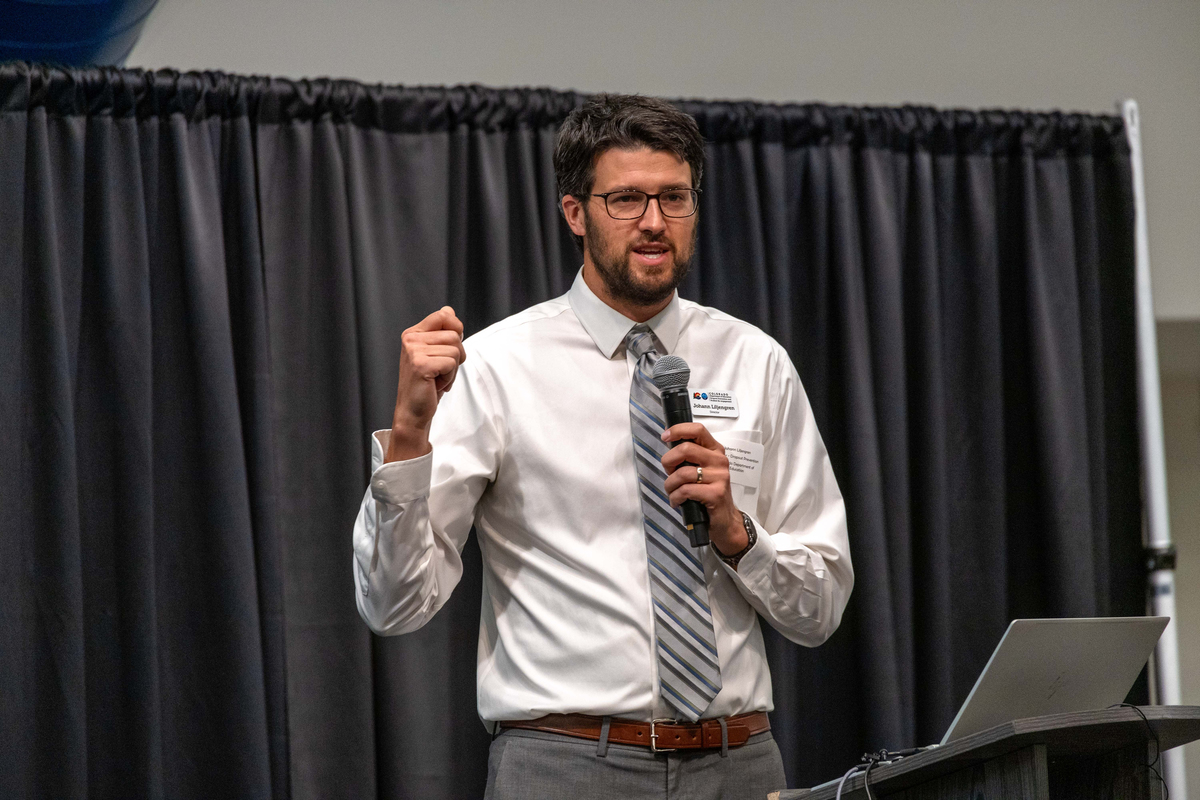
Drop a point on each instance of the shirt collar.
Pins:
(608, 327)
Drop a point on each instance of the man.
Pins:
(599, 619)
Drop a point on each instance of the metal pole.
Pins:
(1160, 553)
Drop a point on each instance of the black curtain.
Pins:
(203, 280)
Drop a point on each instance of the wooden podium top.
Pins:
(1077, 733)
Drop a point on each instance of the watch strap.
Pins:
(751, 534)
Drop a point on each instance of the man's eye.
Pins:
(673, 197)
(625, 199)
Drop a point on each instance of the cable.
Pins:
(867, 776)
(869, 760)
(842, 782)
(884, 756)
(1157, 748)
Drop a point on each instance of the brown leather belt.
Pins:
(659, 735)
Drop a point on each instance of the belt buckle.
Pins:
(654, 736)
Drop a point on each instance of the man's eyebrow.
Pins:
(636, 189)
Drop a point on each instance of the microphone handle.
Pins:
(695, 516)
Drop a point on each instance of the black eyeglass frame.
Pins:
(649, 197)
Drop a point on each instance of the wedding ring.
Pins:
(699, 474)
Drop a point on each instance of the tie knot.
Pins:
(639, 341)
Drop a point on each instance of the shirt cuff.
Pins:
(755, 565)
(398, 482)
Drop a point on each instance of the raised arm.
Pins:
(406, 563)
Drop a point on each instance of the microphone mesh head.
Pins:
(671, 372)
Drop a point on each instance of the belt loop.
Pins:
(602, 746)
(724, 737)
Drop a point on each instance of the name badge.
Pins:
(745, 462)
(713, 403)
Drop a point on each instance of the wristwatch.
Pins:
(734, 559)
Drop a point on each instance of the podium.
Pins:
(1082, 755)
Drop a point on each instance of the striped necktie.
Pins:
(688, 670)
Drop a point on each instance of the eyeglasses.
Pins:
(627, 204)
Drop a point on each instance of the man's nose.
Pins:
(652, 220)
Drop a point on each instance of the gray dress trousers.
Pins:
(532, 765)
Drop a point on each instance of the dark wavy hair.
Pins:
(627, 122)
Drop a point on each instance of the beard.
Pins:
(613, 265)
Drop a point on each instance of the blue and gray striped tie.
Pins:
(688, 670)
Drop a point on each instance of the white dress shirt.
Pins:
(532, 445)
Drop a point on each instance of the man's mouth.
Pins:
(652, 253)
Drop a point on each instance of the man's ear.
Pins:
(573, 213)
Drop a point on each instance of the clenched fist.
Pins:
(430, 353)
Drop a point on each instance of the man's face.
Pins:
(640, 261)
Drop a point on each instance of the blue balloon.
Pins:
(74, 33)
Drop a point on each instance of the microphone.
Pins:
(671, 375)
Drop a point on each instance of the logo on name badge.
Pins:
(713, 403)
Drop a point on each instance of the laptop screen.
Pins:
(1055, 666)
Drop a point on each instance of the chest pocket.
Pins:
(745, 497)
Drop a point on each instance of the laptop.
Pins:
(1055, 666)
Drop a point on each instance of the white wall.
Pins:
(1066, 54)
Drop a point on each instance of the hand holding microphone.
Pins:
(696, 465)
(671, 375)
